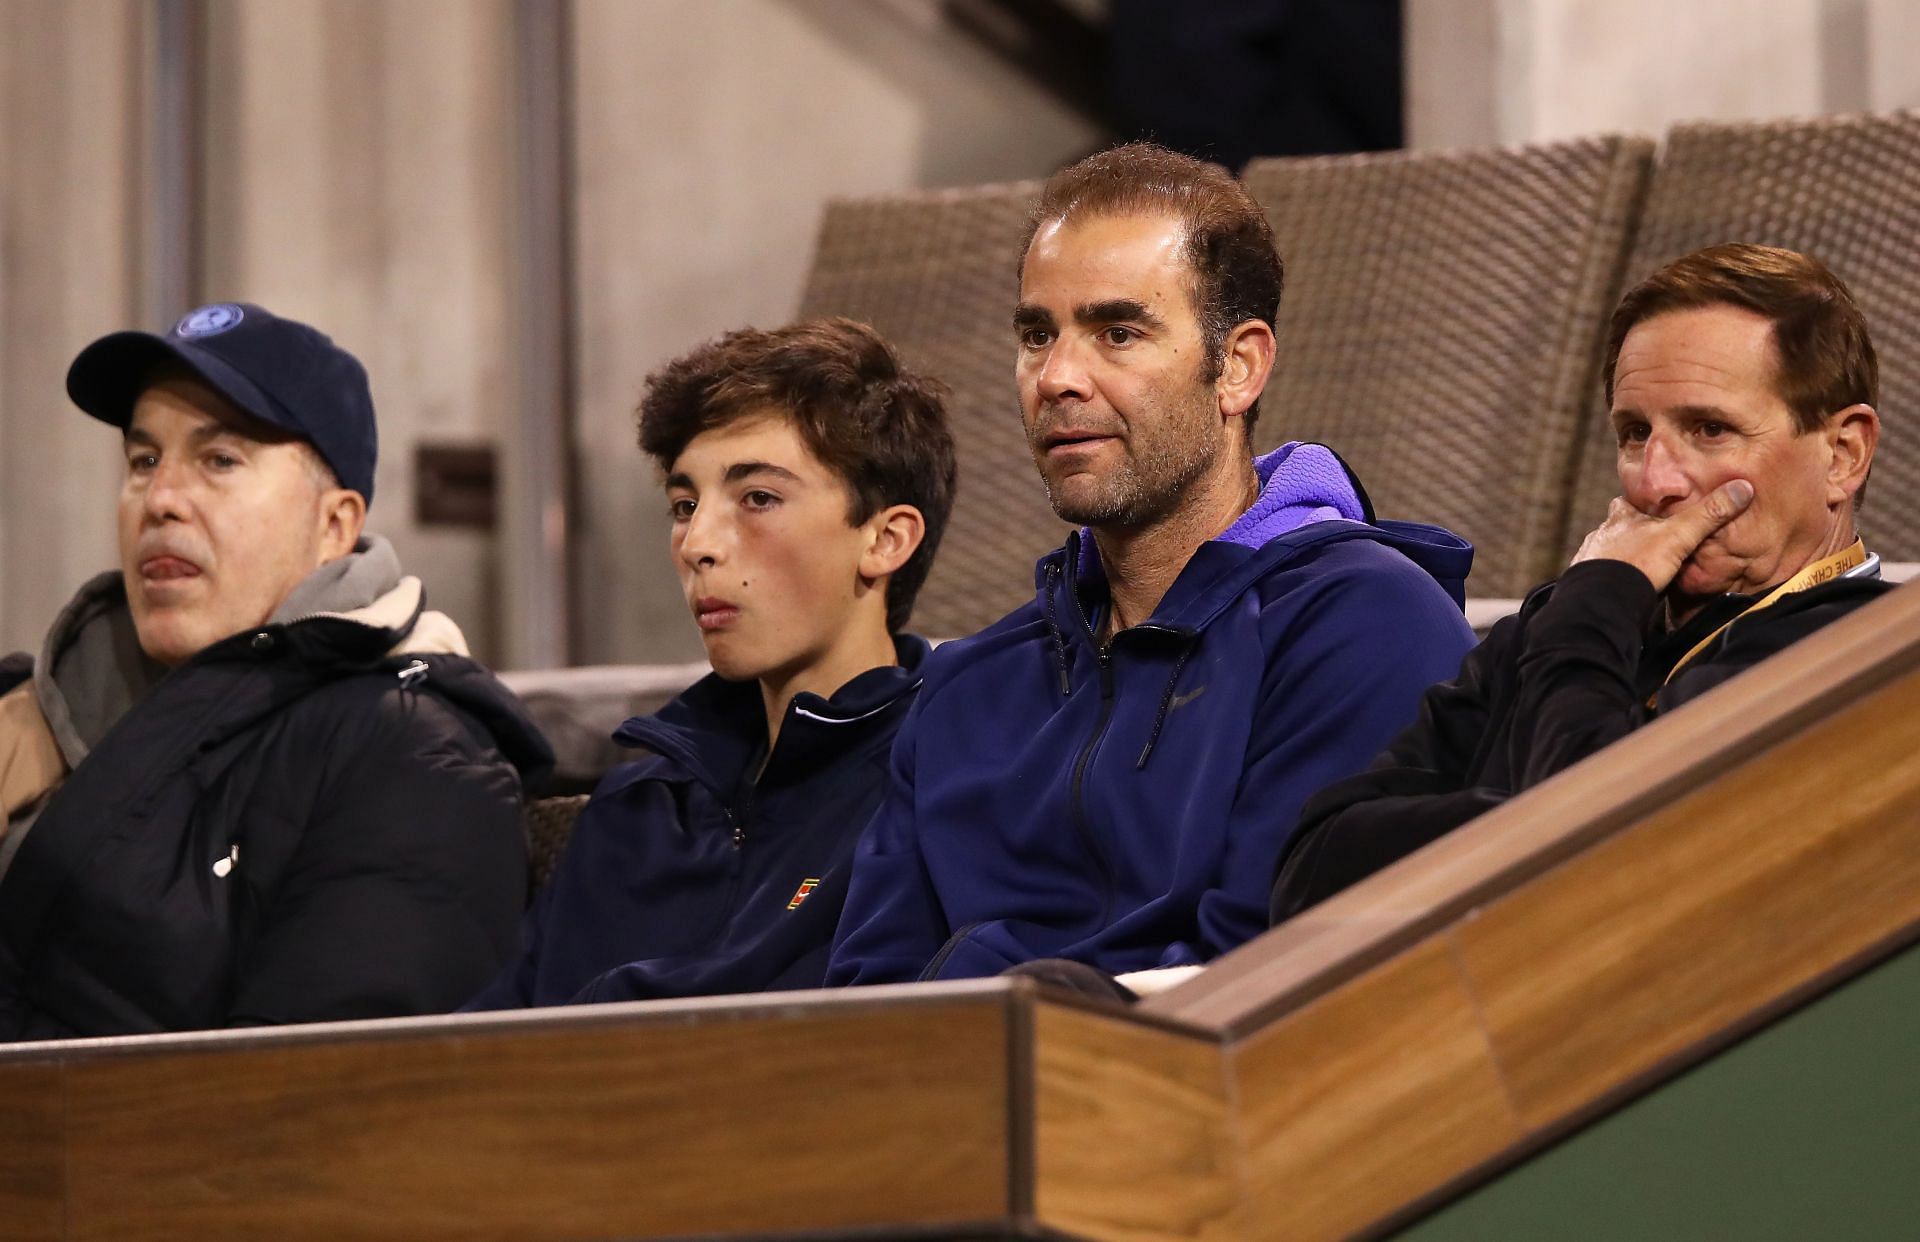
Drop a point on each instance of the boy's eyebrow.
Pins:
(737, 471)
(747, 469)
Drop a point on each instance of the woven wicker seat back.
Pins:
(1440, 326)
(549, 824)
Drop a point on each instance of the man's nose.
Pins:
(1658, 479)
(168, 494)
(1063, 373)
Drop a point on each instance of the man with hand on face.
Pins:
(809, 477)
(249, 780)
(1742, 383)
(1108, 774)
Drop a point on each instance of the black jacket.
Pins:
(1570, 673)
(294, 825)
(695, 871)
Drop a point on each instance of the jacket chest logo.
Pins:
(1181, 700)
(803, 892)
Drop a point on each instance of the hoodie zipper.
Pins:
(1082, 823)
(739, 810)
(735, 807)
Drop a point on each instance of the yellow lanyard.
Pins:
(1823, 570)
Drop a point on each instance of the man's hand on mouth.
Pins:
(1659, 546)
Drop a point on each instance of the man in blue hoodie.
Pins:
(1108, 774)
(809, 476)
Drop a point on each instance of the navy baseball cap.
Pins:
(279, 370)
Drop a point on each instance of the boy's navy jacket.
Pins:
(1126, 808)
(686, 876)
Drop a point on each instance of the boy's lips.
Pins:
(712, 613)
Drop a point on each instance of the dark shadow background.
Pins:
(1231, 79)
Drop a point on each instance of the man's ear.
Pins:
(1853, 434)
(1246, 362)
(342, 514)
(893, 535)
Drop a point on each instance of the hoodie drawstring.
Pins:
(1166, 700)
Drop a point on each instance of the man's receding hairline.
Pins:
(1182, 245)
(1776, 355)
(1076, 213)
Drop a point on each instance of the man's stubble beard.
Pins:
(1150, 482)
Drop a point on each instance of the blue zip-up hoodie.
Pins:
(686, 876)
(1126, 808)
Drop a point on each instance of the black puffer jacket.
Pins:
(297, 824)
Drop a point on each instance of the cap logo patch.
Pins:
(209, 320)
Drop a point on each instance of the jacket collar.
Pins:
(1301, 484)
(1308, 497)
(716, 729)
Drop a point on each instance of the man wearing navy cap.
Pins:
(249, 779)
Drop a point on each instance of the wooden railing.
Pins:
(1338, 1075)
(1583, 941)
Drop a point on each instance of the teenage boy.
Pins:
(809, 477)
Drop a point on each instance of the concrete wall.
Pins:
(358, 171)
(69, 97)
(358, 177)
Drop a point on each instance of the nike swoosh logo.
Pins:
(1181, 700)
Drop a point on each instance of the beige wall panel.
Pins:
(358, 176)
(69, 86)
(1892, 40)
(708, 138)
(1485, 72)
(1640, 65)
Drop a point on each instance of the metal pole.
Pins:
(169, 161)
(535, 549)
